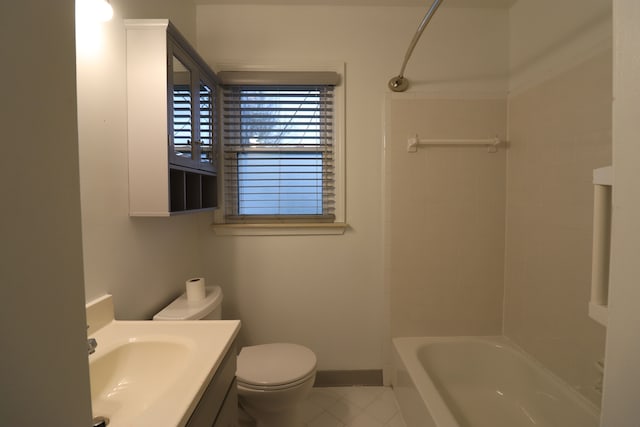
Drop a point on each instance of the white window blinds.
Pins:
(278, 152)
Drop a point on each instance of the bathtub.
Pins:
(481, 382)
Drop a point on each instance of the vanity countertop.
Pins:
(146, 373)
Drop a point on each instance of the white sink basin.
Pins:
(133, 375)
(153, 373)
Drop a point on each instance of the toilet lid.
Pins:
(274, 364)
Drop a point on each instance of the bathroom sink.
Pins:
(154, 372)
(132, 375)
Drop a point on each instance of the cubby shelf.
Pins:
(190, 191)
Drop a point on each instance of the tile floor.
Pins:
(351, 407)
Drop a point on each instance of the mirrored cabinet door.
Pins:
(207, 153)
(181, 116)
(191, 113)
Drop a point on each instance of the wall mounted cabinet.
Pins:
(172, 133)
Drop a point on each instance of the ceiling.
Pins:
(502, 4)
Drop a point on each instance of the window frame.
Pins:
(294, 225)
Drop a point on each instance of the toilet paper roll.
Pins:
(195, 289)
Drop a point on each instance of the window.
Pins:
(279, 147)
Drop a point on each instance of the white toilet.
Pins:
(272, 378)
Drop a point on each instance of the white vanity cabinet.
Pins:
(172, 135)
(218, 406)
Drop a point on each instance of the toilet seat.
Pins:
(274, 366)
(255, 387)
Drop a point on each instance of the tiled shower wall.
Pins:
(560, 108)
(445, 213)
(560, 130)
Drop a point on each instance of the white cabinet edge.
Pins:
(599, 313)
(603, 176)
(142, 24)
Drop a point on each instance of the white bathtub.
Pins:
(481, 382)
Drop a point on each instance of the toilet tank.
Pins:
(209, 308)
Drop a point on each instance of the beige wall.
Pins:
(445, 218)
(559, 130)
(549, 36)
(327, 291)
(142, 262)
(44, 369)
(622, 379)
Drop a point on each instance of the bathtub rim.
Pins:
(406, 349)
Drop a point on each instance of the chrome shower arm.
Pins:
(399, 83)
(418, 34)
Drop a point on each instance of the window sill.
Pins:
(280, 229)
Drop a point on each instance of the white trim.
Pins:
(280, 229)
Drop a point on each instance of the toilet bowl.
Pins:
(272, 378)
